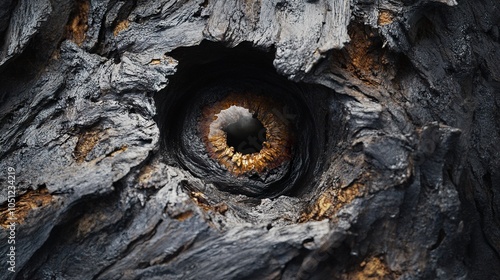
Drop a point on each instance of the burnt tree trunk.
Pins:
(401, 174)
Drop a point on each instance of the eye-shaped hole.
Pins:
(244, 135)
(231, 120)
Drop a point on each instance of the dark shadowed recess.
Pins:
(208, 72)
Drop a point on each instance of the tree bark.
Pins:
(400, 181)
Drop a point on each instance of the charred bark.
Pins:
(395, 164)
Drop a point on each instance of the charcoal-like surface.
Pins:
(404, 183)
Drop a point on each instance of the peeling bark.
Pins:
(402, 126)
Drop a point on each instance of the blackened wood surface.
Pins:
(409, 188)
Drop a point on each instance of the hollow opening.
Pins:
(227, 149)
(246, 135)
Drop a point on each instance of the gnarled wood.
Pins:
(404, 96)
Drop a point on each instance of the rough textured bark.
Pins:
(404, 104)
